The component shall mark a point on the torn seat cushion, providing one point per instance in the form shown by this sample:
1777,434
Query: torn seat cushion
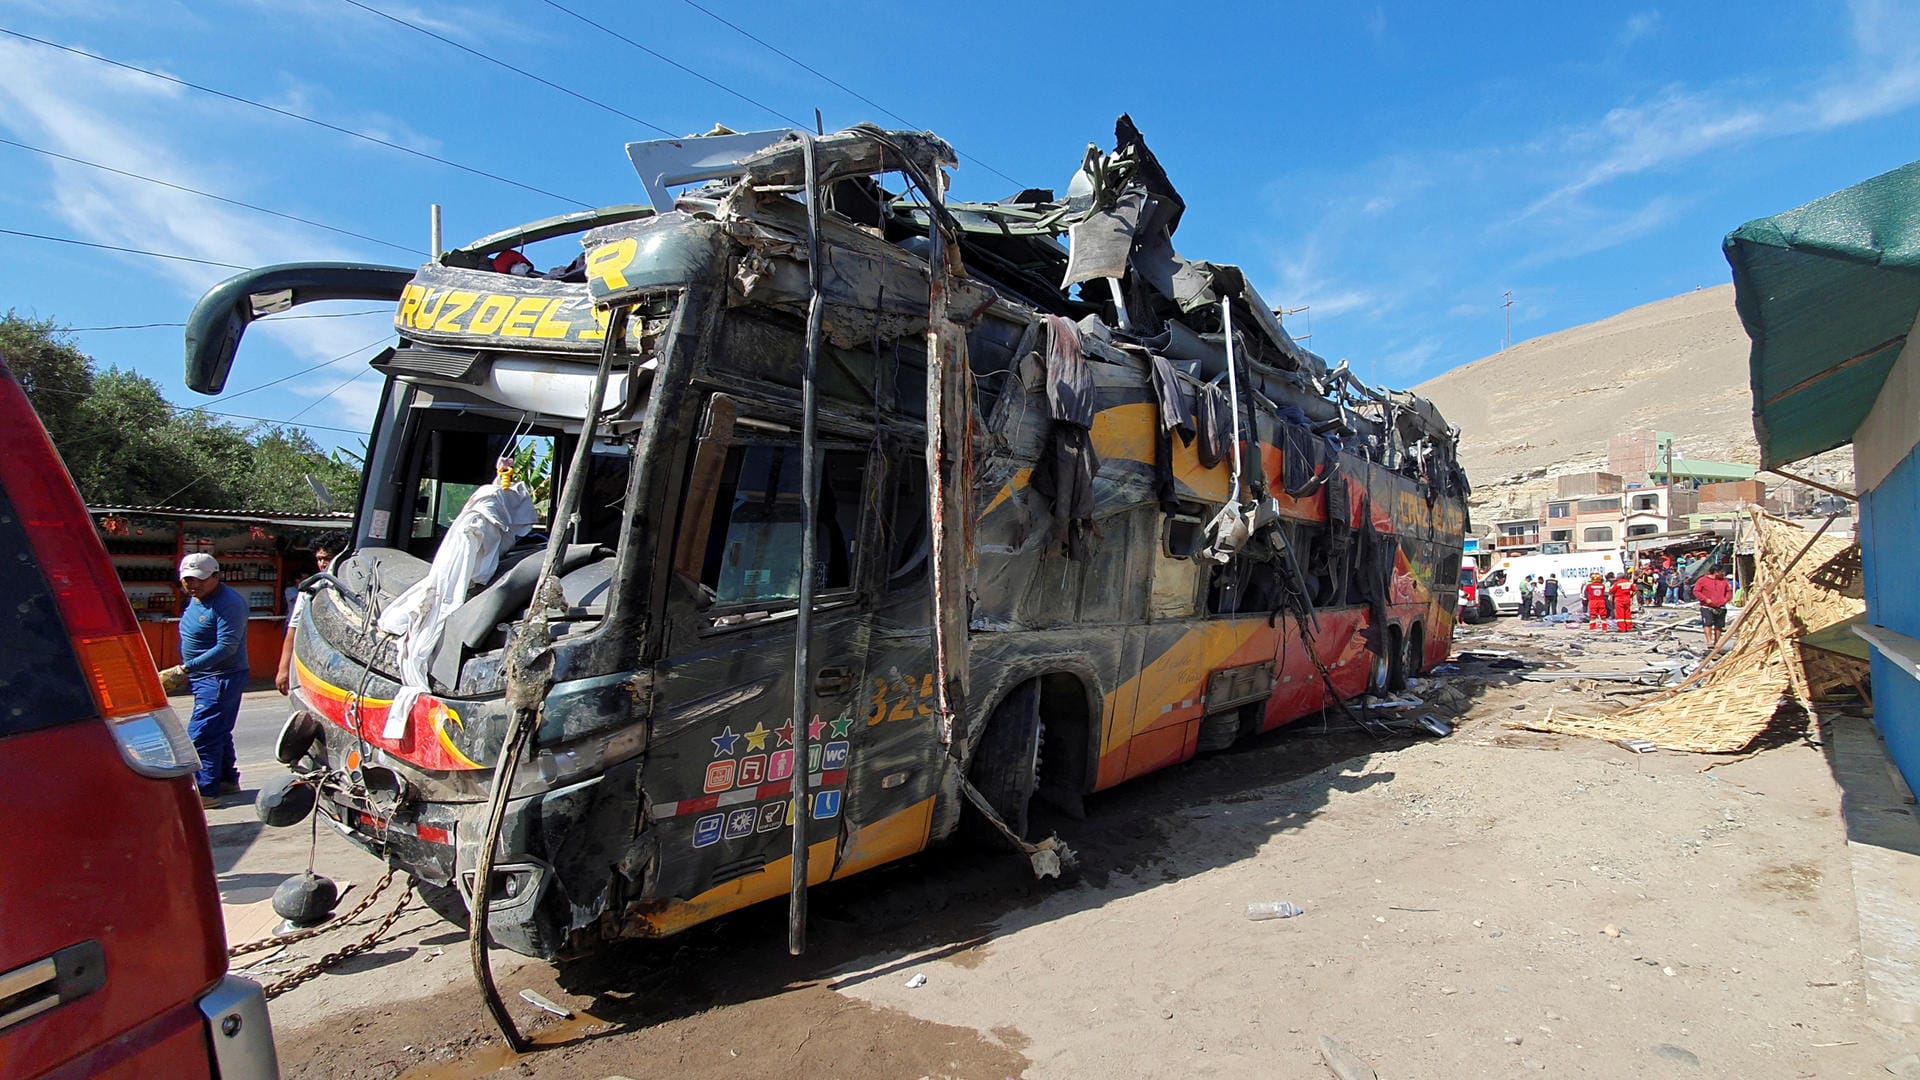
503,600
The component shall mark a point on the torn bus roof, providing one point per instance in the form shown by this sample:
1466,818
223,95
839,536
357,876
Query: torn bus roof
1117,264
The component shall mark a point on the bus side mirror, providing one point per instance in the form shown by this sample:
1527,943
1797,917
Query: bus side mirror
703,487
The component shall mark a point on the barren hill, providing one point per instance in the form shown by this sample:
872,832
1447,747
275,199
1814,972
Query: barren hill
1549,405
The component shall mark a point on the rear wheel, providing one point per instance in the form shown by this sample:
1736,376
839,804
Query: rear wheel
1397,660
1380,664
1006,764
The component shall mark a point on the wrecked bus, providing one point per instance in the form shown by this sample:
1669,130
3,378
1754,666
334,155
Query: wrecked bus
1076,508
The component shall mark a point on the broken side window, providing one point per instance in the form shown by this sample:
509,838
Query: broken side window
753,543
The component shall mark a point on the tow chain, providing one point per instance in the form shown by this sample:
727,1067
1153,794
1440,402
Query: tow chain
332,959
327,927
300,975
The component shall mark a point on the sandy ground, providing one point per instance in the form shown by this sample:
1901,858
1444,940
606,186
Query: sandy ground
1495,903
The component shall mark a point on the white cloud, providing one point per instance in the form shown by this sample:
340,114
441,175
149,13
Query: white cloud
347,399
1640,25
72,106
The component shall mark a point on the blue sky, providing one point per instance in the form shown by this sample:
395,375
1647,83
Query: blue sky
1393,169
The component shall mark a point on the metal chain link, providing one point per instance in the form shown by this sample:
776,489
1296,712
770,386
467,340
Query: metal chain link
373,938
327,927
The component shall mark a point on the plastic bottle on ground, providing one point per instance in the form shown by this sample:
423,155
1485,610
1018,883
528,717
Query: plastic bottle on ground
1273,909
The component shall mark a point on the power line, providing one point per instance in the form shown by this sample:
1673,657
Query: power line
209,412
751,36
289,114
381,340
127,250
267,318
211,195
595,102
343,385
603,28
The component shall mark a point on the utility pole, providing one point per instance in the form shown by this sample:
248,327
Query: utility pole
1506,303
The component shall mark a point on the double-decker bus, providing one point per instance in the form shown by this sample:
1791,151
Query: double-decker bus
1035,539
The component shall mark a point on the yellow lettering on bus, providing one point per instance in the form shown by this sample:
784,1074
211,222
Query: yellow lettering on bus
526,311
550,327
493,311
608,262
428,309
409,301
600,316
454,306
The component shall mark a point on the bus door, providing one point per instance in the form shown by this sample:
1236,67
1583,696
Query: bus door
725,740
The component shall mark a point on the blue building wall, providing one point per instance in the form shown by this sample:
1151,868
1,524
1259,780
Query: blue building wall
1890,552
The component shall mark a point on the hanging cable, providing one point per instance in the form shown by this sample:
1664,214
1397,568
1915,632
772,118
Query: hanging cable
291,115
211,195
496,61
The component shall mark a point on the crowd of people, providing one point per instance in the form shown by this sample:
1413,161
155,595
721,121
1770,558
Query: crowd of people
1610,599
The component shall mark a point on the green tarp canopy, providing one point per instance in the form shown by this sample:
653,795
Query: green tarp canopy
1828,293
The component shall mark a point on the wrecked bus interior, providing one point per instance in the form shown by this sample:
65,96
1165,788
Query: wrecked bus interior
808,515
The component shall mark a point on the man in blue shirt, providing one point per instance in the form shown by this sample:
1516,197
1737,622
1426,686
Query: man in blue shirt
213,661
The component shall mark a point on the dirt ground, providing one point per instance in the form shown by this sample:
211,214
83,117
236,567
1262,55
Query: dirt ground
1494,903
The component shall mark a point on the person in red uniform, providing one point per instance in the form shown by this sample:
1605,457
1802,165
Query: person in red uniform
1596,593
1623,590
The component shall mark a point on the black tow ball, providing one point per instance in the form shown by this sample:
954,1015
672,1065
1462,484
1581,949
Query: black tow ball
284,800
306,899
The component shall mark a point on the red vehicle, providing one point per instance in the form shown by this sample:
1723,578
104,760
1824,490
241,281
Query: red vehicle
113,956
1474,605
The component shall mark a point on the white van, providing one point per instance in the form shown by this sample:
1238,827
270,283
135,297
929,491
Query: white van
1502,579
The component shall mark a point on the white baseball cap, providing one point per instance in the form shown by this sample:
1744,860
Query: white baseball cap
199,565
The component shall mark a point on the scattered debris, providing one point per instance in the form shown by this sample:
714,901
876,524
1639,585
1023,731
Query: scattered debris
1680,1055
919,980
1273,909
1638,746
1343,1063
545,1004
1610,930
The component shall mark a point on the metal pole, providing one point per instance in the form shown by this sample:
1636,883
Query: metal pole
433,230
803,618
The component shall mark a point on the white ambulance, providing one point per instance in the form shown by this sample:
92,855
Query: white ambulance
1502,580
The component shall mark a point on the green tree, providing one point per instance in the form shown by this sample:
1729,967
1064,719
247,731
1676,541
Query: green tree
57,376
125,444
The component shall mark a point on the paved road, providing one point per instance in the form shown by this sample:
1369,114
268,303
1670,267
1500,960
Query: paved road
252,859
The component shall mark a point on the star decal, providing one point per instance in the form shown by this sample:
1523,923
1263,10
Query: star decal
723,743
840,727
757,738
785,731
814,729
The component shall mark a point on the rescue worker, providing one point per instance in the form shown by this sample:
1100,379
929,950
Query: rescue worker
1549,595
1526,597
1623,590
1596,593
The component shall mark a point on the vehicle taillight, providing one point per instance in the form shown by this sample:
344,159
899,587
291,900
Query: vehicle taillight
106,637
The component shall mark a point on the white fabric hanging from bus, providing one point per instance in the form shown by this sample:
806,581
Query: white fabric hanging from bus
492,519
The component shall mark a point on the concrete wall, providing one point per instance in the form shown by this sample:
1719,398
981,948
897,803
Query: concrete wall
1574,485
1890,546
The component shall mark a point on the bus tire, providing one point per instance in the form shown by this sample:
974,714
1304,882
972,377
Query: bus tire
1006,765
1380,664
1398,660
